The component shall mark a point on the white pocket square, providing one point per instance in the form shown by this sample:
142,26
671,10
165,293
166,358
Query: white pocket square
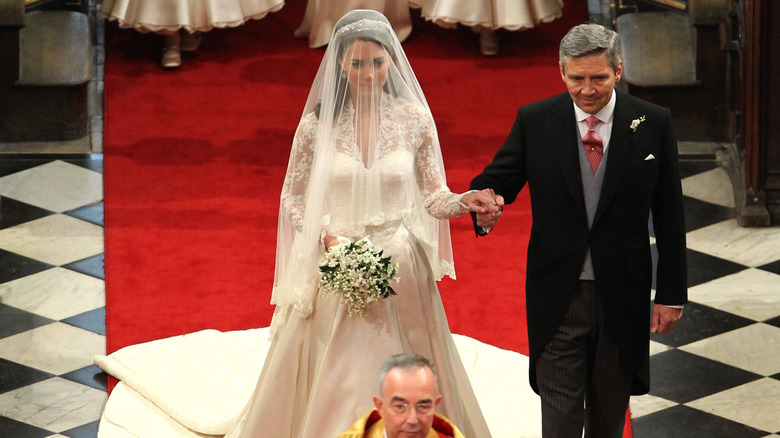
650,157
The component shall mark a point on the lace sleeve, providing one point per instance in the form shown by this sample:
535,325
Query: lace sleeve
439,201
298,171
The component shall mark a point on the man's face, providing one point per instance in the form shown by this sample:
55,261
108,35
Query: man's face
590,81
408,402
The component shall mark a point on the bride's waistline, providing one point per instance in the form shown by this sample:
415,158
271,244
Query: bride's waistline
383,230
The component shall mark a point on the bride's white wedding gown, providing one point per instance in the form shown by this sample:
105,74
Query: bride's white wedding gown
321,371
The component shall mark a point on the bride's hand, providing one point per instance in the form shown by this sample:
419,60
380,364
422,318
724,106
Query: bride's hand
329,241
483,202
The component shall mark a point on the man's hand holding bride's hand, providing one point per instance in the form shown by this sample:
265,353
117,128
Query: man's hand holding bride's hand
486,204
483,201
489,208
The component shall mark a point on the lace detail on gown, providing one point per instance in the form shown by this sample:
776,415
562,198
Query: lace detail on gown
298,171
405,148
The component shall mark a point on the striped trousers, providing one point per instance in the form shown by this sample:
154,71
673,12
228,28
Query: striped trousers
582,382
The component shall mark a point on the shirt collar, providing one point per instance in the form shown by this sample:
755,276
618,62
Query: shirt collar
605,115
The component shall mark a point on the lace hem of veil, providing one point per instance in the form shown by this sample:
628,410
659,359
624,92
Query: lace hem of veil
447,268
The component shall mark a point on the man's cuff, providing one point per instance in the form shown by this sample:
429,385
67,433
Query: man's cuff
673,306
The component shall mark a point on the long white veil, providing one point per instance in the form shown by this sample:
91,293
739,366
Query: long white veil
364,109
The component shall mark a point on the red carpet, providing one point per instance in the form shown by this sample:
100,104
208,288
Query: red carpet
195,158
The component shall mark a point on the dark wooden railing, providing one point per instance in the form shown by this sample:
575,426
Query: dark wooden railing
755,62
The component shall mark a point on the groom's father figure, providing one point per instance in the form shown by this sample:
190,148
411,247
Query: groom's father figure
597,163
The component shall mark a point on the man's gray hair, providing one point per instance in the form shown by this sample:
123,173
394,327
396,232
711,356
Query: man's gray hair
406,362
589,39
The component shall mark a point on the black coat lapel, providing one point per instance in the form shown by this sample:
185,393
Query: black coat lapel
621,149
563,133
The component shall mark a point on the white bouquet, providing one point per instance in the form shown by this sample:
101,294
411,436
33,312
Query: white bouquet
358,274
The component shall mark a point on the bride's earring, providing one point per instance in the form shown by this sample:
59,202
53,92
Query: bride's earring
343,74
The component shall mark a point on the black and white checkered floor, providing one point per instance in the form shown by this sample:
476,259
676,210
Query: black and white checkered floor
716,375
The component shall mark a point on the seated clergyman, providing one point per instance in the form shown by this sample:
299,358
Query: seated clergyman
406,405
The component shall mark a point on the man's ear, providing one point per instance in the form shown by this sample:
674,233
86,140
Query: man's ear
378,404
438,399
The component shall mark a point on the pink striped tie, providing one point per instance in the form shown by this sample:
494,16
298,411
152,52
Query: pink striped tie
594,148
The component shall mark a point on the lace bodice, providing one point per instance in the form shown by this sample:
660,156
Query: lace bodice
404,163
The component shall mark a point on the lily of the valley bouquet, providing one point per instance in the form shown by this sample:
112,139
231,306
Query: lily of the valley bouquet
358,274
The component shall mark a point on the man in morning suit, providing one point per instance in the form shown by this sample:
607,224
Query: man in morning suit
597,163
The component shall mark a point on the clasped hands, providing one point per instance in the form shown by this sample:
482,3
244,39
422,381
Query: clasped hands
486,204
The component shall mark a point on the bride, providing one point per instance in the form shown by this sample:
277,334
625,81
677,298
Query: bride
365,162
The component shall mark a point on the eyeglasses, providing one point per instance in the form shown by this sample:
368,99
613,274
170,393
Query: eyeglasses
422,408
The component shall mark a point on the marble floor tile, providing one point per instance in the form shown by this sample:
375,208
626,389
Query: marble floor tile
11,166
92,162
694,167
16,266
56,293
641,405
699,322
13,428
57,186
89,430
94,321
94,266
756,404
657,347
751,293
749,246
686,422
90,213
13,320
56,348
14,376
713,186
772,267
91,376
56,239
700,214
704,267
682,377
13,212
55,404
754,348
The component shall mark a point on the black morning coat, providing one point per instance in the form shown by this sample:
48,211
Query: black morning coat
642,176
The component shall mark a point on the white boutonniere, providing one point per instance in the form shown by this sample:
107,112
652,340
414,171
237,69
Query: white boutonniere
635,123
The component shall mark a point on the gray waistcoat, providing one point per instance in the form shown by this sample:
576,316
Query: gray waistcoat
591,187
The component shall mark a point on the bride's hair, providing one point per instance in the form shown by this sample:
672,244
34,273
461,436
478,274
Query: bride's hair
348,30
